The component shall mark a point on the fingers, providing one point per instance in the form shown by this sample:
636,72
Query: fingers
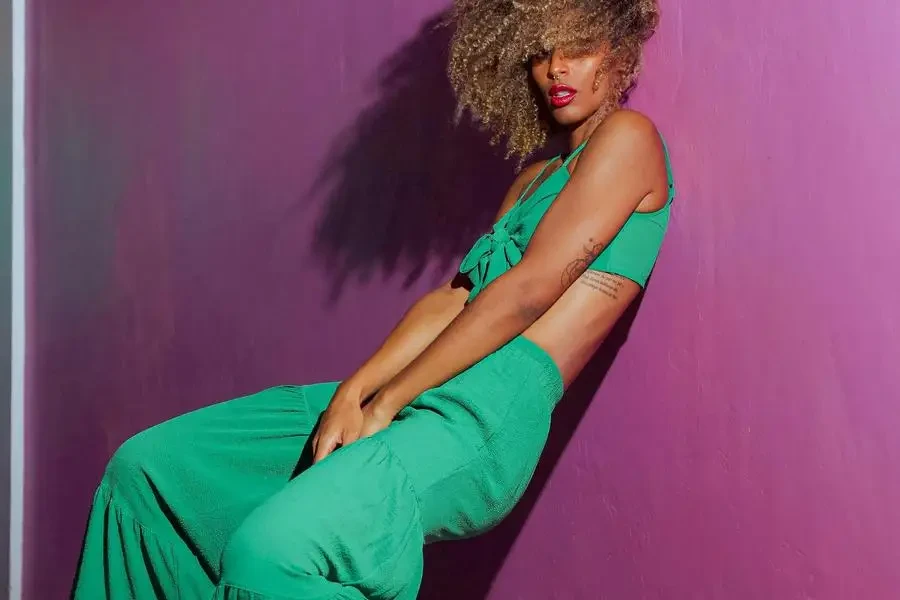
349,437
373,422
325,445
368,428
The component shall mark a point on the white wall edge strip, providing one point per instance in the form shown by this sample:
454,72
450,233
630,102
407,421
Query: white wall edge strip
19,284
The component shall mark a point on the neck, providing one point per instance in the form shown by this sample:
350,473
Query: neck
586,128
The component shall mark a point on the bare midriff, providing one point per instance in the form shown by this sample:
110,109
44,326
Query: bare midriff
575,326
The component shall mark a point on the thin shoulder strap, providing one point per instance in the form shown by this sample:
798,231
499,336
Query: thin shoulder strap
670,175
538,176
575,153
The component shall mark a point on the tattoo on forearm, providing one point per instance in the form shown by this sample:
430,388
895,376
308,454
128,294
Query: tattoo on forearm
575,268
605,283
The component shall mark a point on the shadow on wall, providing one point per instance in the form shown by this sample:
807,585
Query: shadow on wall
407,190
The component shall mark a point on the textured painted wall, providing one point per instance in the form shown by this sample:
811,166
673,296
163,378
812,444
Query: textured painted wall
745,446
227,197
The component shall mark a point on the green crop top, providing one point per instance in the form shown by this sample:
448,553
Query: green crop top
632,253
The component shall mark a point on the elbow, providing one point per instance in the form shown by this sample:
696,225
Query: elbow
532,295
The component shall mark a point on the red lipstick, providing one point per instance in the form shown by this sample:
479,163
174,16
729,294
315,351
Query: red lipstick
561,95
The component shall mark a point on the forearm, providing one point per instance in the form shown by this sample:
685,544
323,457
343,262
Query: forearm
420,325
502,311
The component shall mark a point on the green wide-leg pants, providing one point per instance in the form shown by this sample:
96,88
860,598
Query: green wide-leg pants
222,503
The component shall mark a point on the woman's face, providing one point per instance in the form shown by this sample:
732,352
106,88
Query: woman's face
571,84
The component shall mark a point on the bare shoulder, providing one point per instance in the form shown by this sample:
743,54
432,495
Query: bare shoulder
627,151
627,117
626,132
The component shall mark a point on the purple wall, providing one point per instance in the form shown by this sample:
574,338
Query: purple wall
745,445
228,197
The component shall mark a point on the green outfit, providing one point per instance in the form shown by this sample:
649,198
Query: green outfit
222,503
632,253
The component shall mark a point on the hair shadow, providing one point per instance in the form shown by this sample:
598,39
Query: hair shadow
408,189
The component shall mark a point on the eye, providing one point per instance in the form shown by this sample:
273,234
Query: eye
581,48
540,56
576,50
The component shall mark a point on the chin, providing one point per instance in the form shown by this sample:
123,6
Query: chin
569,116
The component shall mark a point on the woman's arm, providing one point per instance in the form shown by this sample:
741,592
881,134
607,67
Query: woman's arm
614,173
425,319
420,325
342,421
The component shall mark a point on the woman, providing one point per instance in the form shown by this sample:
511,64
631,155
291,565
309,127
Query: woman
329,491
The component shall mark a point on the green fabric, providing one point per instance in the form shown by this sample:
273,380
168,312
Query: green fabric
632,253
222,504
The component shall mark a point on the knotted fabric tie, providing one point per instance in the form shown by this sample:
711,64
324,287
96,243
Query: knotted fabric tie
493,254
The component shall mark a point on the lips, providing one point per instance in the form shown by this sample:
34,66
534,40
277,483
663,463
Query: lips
561,95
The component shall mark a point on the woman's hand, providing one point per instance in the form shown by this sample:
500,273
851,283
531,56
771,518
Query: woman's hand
341,423
346,420
375,418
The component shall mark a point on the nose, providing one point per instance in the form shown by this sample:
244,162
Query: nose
557,67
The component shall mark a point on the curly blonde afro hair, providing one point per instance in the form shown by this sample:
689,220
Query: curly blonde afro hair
494,41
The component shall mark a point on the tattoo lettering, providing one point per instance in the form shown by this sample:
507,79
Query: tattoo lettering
578,266
605,283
